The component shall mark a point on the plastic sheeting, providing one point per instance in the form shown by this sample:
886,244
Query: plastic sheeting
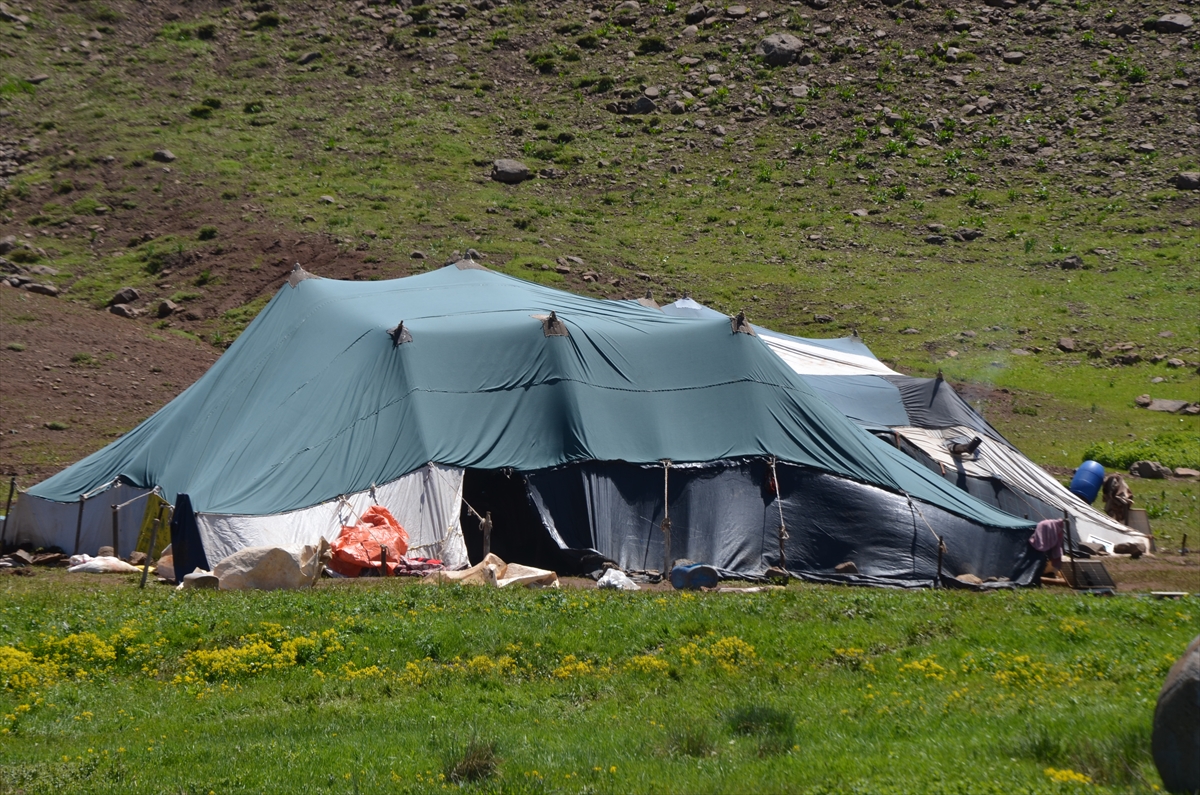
726,516
317,399
47,523
424,502
1039,495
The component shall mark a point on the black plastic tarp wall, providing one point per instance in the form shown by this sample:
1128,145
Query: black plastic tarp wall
726,514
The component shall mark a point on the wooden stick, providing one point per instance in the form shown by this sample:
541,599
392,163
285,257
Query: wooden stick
12,486
383,570
150,554
79,524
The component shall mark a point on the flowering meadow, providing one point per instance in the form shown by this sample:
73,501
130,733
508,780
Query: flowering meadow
400,686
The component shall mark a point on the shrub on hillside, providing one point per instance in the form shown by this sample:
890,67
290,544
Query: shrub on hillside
1169,449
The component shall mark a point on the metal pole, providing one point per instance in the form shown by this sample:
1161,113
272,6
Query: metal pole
12,487
146,565
116,527
79,523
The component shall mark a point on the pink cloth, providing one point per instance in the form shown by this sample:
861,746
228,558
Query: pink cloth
1048,537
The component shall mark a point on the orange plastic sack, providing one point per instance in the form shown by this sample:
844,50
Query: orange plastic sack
358,547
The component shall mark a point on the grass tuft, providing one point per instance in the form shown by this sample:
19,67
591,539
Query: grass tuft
478,760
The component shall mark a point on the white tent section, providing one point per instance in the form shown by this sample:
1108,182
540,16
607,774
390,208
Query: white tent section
808,359
46,523
995,460
425,503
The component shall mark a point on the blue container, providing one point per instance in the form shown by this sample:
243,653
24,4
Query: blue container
1087,481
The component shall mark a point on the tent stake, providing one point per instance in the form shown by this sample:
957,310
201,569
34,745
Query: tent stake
150,552
12,486
79,524
116,527
383,569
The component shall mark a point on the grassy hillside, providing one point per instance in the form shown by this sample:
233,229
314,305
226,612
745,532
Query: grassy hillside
963,184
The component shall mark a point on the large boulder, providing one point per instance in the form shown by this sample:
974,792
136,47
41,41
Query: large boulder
126,295
510,172
1188,180
1175,742
780,49
1173,23
1149,469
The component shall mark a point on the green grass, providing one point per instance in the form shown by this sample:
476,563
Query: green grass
397,687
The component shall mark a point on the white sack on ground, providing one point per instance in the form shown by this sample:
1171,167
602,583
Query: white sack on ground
425,503
616,580
494,571
105,564
272,568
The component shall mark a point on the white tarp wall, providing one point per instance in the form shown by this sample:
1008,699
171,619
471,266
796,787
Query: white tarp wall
45,523
994,460
815,360
425,503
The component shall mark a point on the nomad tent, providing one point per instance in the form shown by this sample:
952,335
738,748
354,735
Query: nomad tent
589,430
927,419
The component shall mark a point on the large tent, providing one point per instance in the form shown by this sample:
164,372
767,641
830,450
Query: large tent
926,418
589,429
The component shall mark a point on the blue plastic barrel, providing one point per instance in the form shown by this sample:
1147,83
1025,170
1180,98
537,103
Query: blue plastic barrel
1087,481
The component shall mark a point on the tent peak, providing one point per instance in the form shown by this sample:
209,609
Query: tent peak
740,325
298,275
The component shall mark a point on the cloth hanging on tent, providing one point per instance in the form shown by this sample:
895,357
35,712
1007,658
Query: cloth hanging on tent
1117,497
1048,537
360,546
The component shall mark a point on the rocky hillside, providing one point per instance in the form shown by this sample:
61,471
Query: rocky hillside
1005,190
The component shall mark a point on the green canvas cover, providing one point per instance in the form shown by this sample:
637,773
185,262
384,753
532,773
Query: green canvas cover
316,398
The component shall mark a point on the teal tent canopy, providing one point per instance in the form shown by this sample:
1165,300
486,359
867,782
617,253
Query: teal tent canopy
325,394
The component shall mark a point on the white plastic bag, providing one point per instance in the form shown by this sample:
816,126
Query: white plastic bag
616,580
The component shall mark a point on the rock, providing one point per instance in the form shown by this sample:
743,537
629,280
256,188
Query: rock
43,270
123,310
987,104
1188,180
41,289
969,578
846,568
1186,472
1175,738
126,295
106,552
1071,263
642,105
1066,344
137,558
327,199
627,13
910,331
1150,470
166,308
7,243
1123,29
1143,400
1168,406
677,107
1013,57
308,58
695,14
935,240
417,255
652,92
1173,23
1128,548
1173,362
860,213
39,79
736,12
779,49
1145,148
822,318
164,156
967,235
1019,352
510,172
